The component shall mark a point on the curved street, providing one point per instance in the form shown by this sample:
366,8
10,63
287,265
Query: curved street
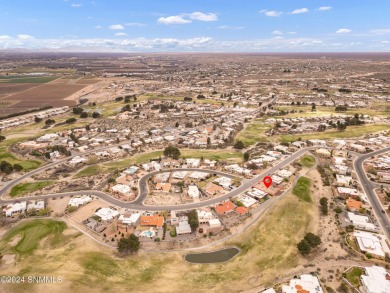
137,204
367,185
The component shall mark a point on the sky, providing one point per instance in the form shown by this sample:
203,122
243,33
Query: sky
196,25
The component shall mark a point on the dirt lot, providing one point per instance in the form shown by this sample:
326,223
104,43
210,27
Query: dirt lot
88,210
58,206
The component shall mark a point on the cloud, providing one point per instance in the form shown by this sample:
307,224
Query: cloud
277,32
278,37
76,5
203,16
24,37
382,31
291,33
343,31
120,34
98,27
271,13
188,18
299,11
324,8
176,19
5,37
228,27
116,27
135,24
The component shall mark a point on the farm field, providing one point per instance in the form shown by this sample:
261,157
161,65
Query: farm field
268,249
26,79
13,88
21,93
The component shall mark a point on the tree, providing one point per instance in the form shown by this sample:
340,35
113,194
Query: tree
312,239
313,107
323,201
78,110
239,145
84,115
71,120
18,167
304,247
177,124
128,245
95,115
126,108
172,152
6,167
193,219
321,128
2,138
37,119
341,127
50,121
208,140
246,156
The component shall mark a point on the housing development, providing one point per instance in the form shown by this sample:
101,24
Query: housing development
159,146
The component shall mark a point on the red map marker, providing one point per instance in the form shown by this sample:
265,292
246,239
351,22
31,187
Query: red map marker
267,181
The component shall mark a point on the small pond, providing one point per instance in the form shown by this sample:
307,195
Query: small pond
218,256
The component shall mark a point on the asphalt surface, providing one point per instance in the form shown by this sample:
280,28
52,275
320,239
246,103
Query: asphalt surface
369,187
138,203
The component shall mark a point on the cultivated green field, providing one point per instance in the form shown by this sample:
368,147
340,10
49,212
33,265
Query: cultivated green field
254,133
308,161
23,188
26,79
31,233
302,189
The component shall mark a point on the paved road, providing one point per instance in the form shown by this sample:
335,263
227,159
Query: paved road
143,182
369,187
137,204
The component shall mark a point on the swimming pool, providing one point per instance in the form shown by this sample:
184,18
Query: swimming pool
147,234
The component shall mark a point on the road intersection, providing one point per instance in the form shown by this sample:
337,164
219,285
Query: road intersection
138,203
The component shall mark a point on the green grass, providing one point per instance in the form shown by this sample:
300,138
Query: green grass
24,188
10,158
302,189
31,233
353,276
26,79
254,133
350,132
113,166
308,161
324,111
269,247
